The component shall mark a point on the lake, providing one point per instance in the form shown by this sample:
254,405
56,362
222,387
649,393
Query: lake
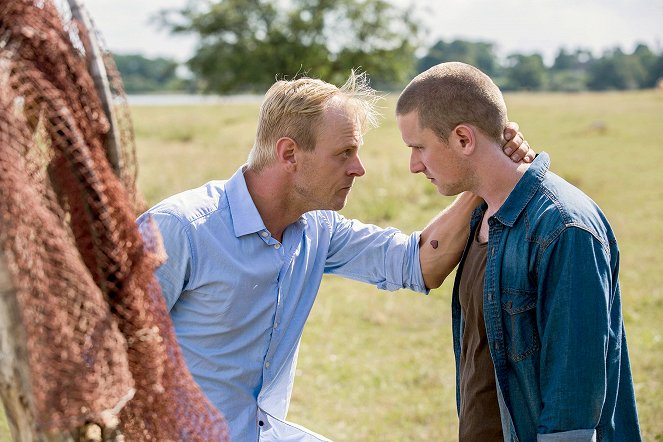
190,99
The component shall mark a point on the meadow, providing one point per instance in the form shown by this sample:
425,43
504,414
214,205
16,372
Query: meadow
378,366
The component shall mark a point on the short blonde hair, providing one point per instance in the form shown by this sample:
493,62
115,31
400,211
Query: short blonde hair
450,94
293,108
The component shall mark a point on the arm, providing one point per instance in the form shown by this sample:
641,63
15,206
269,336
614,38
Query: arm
385,258
174,273
575,289
443,239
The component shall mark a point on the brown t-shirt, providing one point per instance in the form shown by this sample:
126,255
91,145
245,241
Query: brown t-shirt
479,417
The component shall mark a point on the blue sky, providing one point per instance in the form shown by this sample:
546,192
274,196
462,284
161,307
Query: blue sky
513,25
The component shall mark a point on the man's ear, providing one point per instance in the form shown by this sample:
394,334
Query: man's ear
464,138
286,149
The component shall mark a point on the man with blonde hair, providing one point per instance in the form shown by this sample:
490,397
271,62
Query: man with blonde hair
246,256
537,324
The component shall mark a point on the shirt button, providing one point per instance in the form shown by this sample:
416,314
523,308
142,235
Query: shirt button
277,246
276,324
267,364
490,296
264,234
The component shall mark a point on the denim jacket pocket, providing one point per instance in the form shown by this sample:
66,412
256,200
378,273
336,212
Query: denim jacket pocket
519,319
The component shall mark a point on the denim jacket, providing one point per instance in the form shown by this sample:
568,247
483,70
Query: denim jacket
552,309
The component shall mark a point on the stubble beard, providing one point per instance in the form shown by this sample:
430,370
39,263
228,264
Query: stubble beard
308,199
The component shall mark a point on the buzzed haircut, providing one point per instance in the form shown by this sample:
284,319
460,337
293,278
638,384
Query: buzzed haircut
450,94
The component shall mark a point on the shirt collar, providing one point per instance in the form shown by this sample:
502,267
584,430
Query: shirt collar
243,211
525,189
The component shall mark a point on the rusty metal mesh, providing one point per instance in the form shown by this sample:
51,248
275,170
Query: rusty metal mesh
99,337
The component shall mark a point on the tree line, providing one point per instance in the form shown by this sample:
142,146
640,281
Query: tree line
571,71
244,45
141,74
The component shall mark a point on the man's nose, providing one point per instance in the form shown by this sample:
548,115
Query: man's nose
416,165
357,167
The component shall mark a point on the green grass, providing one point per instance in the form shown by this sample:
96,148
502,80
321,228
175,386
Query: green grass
378,366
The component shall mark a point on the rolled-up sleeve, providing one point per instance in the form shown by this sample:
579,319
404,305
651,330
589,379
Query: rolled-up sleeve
568,436
385,258
575,294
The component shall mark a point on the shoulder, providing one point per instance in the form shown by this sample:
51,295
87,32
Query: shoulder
192,206
338,227
559,205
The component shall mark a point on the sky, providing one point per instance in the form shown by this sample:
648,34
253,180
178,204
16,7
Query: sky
513,25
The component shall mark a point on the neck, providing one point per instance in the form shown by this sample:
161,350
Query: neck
269,190
497,175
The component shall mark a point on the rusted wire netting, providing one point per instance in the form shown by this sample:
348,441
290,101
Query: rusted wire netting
99,337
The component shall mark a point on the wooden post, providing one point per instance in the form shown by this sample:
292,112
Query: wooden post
15,388
15,384
97,70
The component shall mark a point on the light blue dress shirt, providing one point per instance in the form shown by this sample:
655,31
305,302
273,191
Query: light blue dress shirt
239,299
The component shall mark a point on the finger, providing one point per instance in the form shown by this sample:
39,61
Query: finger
528,157
521,151
513,146
519,138
510,130
531,154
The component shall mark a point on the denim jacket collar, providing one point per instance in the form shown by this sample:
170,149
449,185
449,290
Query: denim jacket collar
525,189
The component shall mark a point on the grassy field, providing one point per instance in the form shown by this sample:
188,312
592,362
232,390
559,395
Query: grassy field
378,366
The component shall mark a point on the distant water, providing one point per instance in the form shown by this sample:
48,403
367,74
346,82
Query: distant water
184,100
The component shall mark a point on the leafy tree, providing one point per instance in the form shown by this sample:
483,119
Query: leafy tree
569,71
617,70
142,74
565,61
526,72
479,54
246,44
568,80
656,74
651,63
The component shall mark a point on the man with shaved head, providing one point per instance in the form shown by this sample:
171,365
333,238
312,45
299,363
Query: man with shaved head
537,323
